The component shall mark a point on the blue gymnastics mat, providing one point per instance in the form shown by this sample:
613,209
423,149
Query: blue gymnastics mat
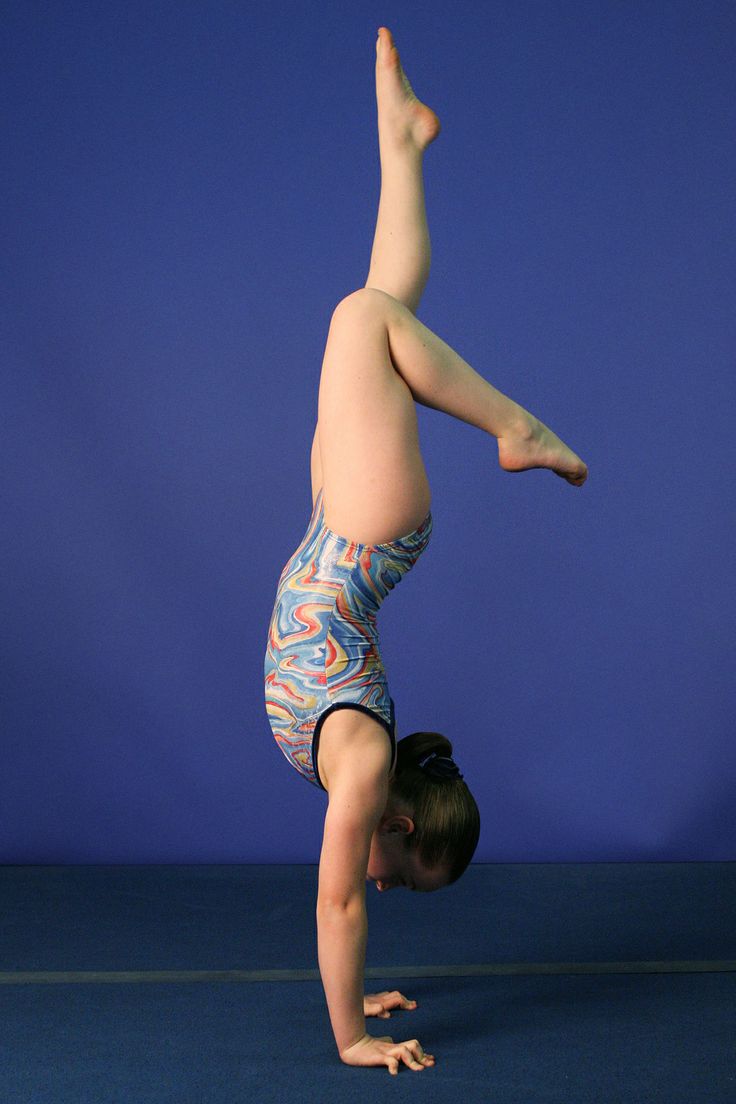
535,983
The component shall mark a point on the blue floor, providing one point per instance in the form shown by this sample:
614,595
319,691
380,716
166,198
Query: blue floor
531,1038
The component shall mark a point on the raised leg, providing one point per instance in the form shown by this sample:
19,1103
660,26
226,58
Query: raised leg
401,253
379,360
400,257
375,486
438,377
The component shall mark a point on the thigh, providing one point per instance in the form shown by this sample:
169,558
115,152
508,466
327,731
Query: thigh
374,483
315,465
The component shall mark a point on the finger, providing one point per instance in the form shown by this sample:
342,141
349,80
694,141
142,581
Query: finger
410,1058
419,1054
398,1000
393,1066
406,1002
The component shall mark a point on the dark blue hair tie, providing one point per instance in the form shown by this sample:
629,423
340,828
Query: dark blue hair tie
439,766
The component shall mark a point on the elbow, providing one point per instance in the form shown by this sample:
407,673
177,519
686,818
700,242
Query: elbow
340,904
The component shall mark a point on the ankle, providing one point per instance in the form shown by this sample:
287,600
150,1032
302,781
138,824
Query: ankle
513,422
397,148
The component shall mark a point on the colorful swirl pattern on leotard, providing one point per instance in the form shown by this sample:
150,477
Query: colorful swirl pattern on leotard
323,648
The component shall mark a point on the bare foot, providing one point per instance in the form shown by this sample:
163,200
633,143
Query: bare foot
402,117
533,445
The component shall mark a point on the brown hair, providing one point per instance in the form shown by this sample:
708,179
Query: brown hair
446,817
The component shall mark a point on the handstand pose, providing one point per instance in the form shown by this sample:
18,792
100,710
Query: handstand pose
397,815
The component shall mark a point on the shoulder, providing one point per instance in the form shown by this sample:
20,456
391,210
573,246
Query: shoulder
352,745
356,778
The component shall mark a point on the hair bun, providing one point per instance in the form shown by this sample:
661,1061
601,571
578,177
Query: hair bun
411,749
439,766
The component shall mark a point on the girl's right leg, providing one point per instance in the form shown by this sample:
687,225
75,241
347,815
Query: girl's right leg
380,359
438,377
434,373
378,362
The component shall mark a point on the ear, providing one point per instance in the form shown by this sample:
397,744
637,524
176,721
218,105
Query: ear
401,824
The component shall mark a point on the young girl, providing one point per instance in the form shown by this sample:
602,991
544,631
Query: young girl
396,815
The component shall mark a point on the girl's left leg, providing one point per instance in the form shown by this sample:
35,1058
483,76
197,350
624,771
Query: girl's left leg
401,254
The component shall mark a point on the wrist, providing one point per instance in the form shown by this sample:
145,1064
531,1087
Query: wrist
343,1050
345,1040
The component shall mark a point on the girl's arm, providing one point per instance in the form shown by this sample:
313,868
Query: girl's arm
358,792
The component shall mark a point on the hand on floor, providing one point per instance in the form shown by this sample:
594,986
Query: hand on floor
369,1051
378,1004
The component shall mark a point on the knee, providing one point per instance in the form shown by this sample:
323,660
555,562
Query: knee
365,299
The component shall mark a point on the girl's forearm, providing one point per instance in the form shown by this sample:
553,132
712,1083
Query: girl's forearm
342,934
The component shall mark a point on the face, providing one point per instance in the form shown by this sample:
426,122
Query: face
392,865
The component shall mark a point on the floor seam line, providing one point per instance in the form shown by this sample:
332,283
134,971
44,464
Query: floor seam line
501,969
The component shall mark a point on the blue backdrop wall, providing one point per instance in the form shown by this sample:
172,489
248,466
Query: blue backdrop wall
188,190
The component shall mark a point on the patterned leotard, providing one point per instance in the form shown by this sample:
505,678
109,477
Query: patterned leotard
322,651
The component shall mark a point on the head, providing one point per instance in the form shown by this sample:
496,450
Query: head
430,828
